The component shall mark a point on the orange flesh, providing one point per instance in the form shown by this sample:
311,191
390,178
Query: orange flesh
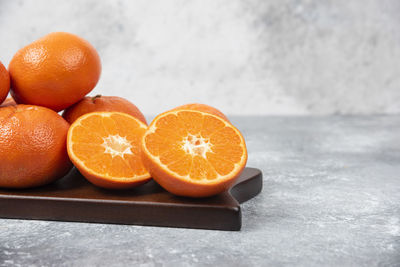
195,145
108,144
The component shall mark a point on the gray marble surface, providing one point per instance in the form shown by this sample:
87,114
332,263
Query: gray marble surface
331,197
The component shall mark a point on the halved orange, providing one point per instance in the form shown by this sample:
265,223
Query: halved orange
193,153
105,147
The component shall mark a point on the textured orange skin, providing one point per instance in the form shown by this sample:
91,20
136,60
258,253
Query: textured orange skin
32,146
184,188
203,108
8,102
55,71
102,103
4,83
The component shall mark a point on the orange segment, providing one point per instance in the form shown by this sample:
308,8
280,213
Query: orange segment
191,121
172,155
110,126
86,136
202,169
87,151
193,153
172,123
183,166
106,149
221,165
224,136
228,152
99,163
210,126
91,122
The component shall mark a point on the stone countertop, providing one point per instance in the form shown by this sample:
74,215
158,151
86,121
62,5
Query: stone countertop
331,197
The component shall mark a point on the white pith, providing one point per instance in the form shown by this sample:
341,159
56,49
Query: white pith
116,145
196,145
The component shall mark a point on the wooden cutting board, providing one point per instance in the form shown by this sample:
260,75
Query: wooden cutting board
72,198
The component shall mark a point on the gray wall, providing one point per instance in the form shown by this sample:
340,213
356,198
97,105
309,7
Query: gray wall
245,57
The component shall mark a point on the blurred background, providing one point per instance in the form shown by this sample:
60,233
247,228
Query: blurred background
251,57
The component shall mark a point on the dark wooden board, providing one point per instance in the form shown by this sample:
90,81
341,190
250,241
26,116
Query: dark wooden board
72,198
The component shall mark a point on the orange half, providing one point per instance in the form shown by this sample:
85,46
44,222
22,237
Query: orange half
105,147
193,153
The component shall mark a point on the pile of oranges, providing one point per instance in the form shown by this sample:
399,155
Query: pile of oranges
192,150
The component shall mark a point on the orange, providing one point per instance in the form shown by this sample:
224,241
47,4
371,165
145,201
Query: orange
102,103
33,148
204,108
4,83
55,71
105,147
8,102
193,153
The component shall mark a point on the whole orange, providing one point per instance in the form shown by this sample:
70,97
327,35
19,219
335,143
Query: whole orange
102,103
55,71
4,83
33,148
